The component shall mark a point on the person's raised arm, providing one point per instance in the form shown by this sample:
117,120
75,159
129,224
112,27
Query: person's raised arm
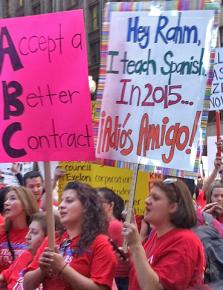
211,178
57,174
16,171
146,276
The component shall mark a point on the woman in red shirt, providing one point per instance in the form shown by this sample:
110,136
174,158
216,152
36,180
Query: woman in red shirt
19,206
12,278
85,259
172,258
114,206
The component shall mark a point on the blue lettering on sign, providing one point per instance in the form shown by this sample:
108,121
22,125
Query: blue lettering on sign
137,33
176,34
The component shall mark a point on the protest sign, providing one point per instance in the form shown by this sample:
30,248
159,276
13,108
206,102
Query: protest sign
211,153
118,179
216,99
156,70
45,99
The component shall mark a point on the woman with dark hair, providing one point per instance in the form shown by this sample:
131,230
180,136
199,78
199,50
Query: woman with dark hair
85,259
19,206
214,199
172,257
114,206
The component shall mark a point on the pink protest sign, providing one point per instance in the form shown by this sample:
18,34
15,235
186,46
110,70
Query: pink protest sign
44,94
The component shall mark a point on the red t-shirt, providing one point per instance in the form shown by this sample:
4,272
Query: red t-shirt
97,262
178,259
15,273
115,232
17,240
2,220
201,199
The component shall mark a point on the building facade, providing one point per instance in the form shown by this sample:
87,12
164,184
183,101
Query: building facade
93,10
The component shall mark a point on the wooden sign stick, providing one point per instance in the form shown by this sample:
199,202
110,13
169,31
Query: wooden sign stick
131,202
218,129
217,113
49,206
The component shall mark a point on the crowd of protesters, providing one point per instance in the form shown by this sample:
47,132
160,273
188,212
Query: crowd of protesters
165,251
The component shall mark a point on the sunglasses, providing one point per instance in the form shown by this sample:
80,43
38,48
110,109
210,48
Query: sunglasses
170,180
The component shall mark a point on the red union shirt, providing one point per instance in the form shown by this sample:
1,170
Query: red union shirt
17,240
97,262
178,259
14,274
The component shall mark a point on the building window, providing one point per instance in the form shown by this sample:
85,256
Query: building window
19,8
94,17
71,4
21,3
36,9
94,52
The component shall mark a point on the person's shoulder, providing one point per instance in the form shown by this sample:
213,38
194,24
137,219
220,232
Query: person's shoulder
188,237
183,235
116,222
102,247
101,238
115,225
101,241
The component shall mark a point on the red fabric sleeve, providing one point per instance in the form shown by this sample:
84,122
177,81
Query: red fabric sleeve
104,262
115,231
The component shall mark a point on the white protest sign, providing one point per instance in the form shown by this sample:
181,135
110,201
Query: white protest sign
216,100
211,152
156,74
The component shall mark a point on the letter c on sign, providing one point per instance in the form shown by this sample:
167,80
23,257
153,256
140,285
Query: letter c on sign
9,131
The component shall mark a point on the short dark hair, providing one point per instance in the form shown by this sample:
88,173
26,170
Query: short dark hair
178,192
31,174
110,196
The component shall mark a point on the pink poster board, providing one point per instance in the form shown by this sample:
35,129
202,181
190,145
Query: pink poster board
44,95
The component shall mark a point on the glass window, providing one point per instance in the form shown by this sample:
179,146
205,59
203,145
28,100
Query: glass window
94,52
36,9
71,3
19,8
94,17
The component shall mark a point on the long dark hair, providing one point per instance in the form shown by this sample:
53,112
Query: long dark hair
94,220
